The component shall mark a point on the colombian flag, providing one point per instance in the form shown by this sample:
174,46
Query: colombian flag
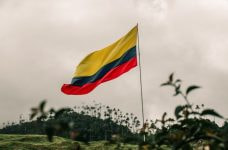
104,65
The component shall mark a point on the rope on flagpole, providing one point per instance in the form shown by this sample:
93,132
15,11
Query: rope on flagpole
140,76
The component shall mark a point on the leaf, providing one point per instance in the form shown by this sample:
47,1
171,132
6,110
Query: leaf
191,88
194,113
178,87
211,112
177,90
170,120
34,110
42,104
34,113
32,116
177,93
171,77
178,110
163,116
165,84
178,80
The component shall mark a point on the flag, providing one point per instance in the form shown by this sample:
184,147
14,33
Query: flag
104,65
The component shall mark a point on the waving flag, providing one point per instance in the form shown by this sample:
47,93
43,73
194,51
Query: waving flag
104,65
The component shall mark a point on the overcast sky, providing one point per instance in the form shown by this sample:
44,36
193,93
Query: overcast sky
41,42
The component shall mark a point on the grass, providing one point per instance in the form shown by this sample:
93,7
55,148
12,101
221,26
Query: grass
40,142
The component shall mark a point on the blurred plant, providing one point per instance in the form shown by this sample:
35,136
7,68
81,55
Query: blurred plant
100,118
55,125
190,129
190,126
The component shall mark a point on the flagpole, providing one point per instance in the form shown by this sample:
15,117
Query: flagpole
140,76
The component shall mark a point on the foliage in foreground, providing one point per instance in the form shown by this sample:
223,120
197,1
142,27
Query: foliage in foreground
190,129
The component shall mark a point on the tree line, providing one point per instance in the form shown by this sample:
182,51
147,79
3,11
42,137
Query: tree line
189,129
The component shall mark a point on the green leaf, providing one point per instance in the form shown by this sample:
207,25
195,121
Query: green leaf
194,113
163,116
170,120
165,84
178,87
177,90
191,88
32,115
211,112
171,77
42,104
34,110
178,80
176,93
178,110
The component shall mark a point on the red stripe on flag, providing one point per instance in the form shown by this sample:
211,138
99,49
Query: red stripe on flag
112,74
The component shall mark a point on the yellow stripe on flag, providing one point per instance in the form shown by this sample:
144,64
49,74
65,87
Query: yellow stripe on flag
96,60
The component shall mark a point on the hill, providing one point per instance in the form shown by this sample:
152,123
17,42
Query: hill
40,142
89,123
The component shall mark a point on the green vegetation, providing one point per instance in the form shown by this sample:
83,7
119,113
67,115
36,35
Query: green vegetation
40,142
189,130
33,142
85,123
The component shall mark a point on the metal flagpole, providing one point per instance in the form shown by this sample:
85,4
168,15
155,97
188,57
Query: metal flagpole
140,75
